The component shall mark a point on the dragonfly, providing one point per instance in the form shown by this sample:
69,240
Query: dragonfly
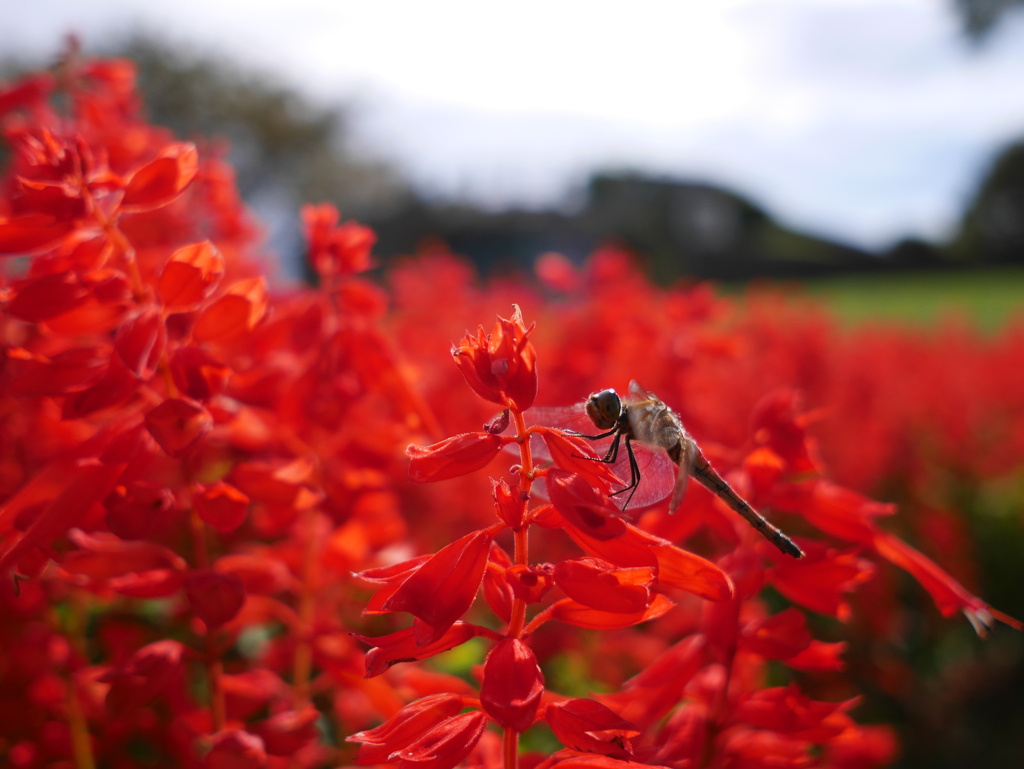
655,444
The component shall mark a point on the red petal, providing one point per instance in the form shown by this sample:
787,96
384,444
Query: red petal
160,181
260,575
190,275
198,375
512,684
405,727
178,425
530,583
443,588
151,671
676,567
215,598
584,508
497,591
38,299
948,594
589,726
32,374
575,455
31,234
83,487
598,584
117,385
222,506
574,613
779,637
446,744
820,580
140,342
509,504
235,749
234,314
402,646
248,692
651,694
285,733
819,656
102,557
453,457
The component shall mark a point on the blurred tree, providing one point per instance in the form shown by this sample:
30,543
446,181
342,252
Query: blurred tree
993,225
980,17
279,140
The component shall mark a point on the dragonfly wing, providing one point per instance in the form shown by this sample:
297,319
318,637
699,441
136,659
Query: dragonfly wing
570,418
657,471
657,476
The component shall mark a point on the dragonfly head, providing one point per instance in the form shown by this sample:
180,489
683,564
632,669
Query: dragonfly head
604,409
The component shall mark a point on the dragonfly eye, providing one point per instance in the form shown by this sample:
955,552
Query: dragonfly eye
604,409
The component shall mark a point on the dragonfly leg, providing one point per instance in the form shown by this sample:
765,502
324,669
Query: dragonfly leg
575,434
634,475
613,451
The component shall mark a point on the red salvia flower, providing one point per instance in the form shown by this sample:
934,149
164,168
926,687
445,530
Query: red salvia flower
453,457
403,646
441,590
162,180
404,728
215,597
501,366
512,684
235,749
222,506
190,275
591,727
178,425
445,745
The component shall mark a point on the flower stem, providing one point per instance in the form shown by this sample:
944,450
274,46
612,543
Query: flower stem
510,748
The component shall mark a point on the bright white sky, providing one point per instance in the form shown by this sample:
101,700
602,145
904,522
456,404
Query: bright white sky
865,120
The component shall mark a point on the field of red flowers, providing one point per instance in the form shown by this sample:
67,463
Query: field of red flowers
246,527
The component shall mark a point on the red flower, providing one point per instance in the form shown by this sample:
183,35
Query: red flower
589,726
235,749
599,584
221,505
160,181
441,590
445,745
285,733
508,503
190,275
178,425
198,375
150,672
575,455
214,597
501,366
235,313
335,250
403,646
404,728
512,684
454,456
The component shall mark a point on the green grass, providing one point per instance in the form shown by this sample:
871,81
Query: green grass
987,297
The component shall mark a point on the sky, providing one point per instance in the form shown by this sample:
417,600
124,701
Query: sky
862,120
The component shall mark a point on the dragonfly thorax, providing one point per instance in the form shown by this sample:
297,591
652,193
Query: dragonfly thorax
604,409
